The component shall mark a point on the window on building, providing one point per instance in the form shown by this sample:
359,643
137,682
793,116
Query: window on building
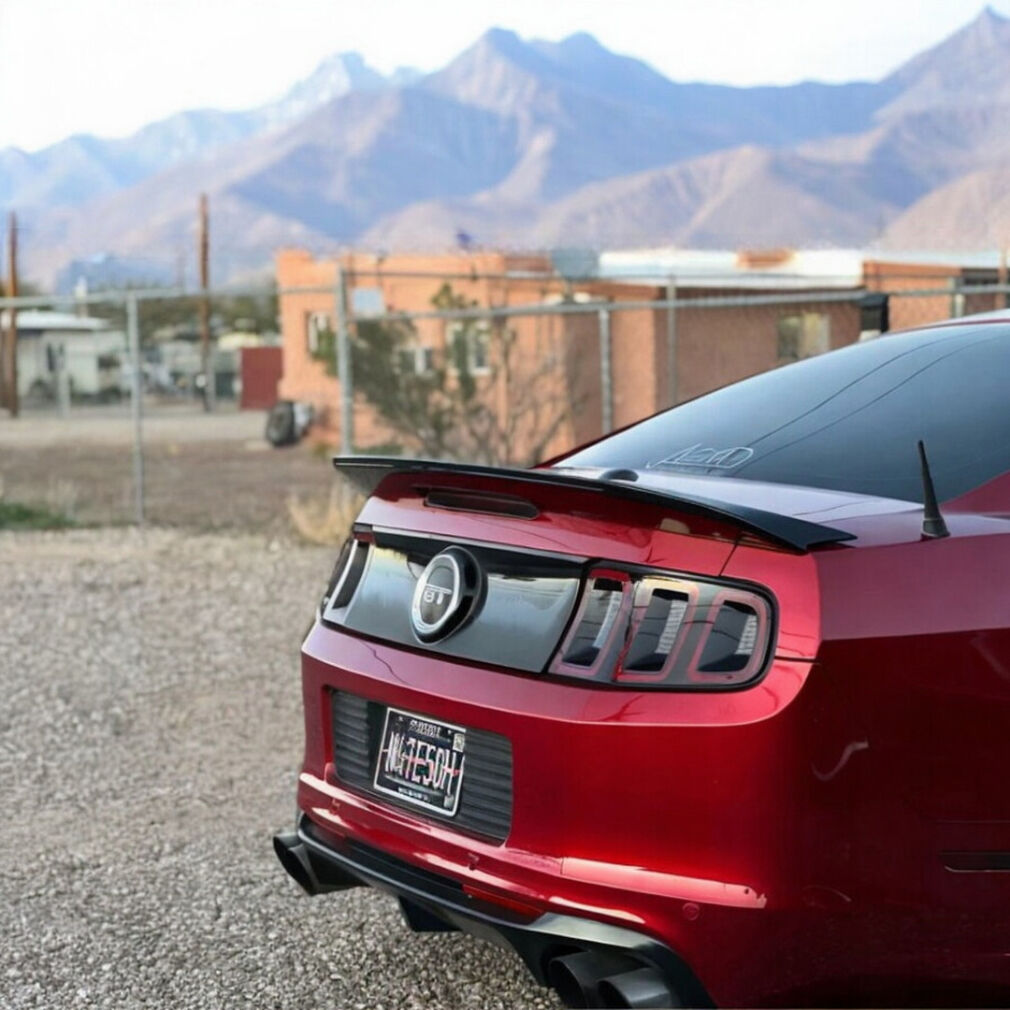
367,302
317,326
476,341
419,360
803,335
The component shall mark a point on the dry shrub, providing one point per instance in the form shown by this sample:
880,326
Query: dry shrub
325,520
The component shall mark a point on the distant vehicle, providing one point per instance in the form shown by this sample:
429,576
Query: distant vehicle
288,422
713,711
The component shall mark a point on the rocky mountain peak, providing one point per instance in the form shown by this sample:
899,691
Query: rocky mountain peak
970,67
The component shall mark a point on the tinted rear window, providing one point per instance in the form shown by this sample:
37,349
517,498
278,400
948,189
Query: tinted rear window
848,420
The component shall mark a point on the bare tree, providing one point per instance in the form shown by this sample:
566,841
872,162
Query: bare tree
487,394
534,401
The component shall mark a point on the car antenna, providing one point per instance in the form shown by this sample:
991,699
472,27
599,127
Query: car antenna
933,525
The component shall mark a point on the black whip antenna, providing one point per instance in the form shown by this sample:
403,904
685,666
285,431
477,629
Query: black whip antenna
933,525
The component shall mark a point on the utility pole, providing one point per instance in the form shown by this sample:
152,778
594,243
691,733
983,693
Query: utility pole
9,365
205,351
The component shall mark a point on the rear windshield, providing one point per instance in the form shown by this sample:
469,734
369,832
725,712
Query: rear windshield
848,420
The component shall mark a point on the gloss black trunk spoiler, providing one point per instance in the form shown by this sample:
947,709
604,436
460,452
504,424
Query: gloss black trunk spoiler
367,472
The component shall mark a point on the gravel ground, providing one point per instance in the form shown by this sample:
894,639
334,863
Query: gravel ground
149,741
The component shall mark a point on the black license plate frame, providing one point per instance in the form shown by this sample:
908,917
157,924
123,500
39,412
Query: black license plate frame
421,761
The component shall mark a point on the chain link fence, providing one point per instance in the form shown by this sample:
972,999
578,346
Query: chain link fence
126,417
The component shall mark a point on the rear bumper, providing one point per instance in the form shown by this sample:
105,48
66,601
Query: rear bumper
660,816
431,902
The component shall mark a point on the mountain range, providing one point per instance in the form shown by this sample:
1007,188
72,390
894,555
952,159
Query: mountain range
534,144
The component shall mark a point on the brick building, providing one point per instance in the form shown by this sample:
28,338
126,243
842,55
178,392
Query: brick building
937,290
656,358
409,284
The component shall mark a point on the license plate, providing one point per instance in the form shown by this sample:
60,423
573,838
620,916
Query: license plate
421,761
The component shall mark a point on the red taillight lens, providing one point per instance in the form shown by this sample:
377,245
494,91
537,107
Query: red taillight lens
735,647
662,618
596,636
650,630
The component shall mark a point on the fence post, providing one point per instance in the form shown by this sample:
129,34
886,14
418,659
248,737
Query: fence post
956,299
606,376
671,343
62,380
344,366
9,339
136,405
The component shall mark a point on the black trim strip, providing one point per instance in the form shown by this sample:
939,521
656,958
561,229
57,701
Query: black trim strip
367,472
485,803
977,862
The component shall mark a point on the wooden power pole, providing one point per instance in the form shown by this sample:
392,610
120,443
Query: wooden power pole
205,352
9,364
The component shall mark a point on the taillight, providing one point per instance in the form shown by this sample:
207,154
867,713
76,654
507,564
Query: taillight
345,576
597,633
657,631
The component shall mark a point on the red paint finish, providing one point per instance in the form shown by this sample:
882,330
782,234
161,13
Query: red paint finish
790,840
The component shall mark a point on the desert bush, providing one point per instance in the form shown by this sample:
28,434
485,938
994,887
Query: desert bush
325,519
18,516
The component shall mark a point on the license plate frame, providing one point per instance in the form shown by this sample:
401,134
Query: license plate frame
421,761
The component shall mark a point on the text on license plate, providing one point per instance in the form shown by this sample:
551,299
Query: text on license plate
421,761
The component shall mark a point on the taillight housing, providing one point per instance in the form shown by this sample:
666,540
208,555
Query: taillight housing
345,577
649,630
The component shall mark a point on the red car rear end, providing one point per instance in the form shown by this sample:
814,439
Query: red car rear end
678,730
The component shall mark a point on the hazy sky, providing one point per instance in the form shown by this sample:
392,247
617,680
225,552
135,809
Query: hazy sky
109,66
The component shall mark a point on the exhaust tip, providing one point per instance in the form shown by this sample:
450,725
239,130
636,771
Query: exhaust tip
312,874
642,987
291,853
576,977
571,977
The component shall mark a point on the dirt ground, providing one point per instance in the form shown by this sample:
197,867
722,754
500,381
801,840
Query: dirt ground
201,472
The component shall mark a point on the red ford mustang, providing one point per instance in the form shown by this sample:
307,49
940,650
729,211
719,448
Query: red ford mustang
714,711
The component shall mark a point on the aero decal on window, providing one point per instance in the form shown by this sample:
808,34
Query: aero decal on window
699,457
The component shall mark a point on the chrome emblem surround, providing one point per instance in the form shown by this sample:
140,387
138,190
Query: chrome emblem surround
445,594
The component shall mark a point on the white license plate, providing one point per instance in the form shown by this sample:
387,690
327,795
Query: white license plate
421,761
